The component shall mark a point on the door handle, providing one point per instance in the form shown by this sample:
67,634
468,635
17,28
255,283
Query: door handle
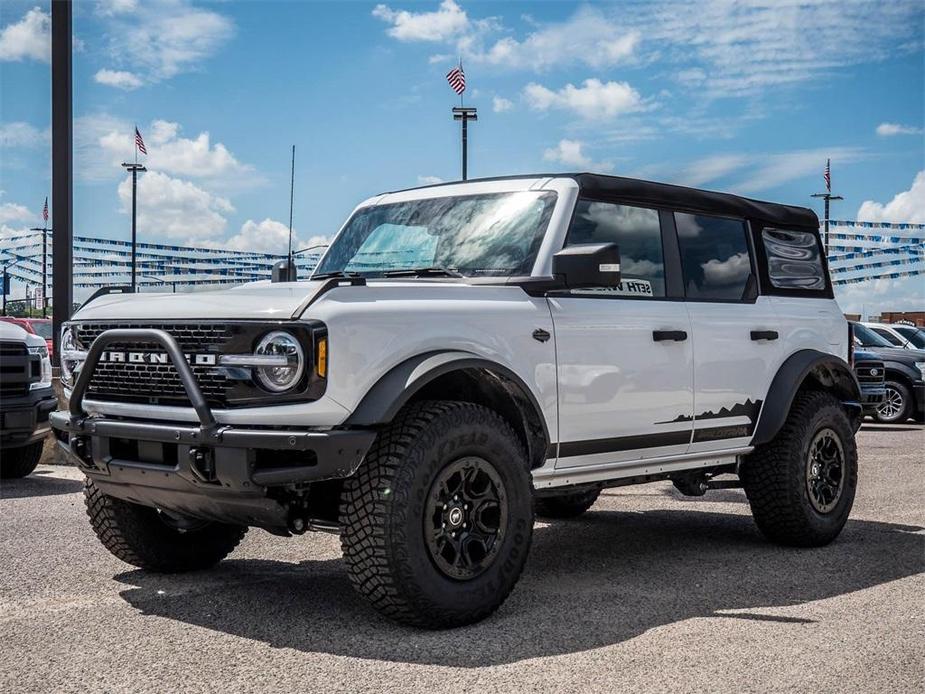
664,335
764,335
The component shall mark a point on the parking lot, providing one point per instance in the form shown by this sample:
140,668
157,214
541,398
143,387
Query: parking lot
649,591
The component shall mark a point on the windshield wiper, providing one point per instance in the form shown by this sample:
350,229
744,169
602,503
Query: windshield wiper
423,272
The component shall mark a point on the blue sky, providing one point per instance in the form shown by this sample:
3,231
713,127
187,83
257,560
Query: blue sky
749,97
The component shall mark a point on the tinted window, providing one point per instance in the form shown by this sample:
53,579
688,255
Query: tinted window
636,231
914,335
867,337
888,336
793,259
714,256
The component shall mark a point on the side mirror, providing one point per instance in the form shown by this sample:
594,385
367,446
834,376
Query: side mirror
588,265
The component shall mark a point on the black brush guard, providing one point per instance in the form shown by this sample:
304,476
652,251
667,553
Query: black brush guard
215,472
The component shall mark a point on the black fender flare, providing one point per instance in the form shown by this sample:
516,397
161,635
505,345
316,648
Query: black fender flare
402,382
827,370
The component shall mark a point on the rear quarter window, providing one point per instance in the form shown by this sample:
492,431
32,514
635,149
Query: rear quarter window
794,259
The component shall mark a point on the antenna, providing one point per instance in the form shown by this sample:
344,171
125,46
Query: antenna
291,194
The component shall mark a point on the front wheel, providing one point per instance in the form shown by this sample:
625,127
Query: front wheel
801,485
19,462
437,521
897,404
150,539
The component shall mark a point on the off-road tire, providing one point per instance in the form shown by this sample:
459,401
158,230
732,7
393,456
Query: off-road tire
903,391
21,461
566,505
383,515
774,475
139,536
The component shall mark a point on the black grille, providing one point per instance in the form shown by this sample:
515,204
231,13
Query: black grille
864,370
159,384
15,369
192,337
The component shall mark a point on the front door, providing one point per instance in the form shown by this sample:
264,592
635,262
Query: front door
624,355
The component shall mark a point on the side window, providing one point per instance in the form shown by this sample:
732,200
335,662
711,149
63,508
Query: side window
890,337
636,231
794,259
714,257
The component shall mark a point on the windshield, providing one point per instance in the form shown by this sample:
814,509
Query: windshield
42,328
868,338
914,335
495,234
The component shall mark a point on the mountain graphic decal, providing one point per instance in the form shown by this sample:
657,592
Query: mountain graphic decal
749,408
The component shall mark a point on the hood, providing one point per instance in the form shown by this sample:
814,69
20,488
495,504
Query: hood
260,300
898,353
11,331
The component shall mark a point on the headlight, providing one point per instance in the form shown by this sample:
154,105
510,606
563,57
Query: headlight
45,380
69,364
282,377
920,365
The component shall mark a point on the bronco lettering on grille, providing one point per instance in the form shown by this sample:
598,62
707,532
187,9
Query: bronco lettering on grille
114,357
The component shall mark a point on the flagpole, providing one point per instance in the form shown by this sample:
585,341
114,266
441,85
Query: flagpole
134,168
291,197
827,197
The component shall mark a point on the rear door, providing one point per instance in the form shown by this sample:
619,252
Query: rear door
624,355
735,332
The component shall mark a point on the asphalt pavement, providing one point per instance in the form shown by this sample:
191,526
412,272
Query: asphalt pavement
649,591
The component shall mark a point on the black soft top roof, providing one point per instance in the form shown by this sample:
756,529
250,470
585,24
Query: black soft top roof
678,197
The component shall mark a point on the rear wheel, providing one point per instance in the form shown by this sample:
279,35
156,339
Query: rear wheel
566,505
801,485
19,462
437,521
150,539
897,404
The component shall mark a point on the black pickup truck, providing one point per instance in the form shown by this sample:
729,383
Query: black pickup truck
26,398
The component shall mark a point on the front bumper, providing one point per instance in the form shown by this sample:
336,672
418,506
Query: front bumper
24,420
871,397
207,470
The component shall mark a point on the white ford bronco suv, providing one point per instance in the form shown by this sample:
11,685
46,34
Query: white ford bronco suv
464,356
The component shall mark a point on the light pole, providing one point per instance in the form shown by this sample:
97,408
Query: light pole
465,114
134,168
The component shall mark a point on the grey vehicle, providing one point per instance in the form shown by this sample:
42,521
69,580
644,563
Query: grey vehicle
26,399
905,377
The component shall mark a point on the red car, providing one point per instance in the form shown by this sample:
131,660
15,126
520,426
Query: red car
36,326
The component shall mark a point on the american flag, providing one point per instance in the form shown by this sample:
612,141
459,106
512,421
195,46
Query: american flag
827,176
45,210
457,79
139,143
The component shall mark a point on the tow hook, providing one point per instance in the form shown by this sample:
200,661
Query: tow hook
202,464
80,445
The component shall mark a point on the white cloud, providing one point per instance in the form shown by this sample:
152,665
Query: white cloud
593,101
160,39
745,48
429,180
907,206
711,168
107,8
889,129
447,22
268,236
27,39
571,153
772,170
12,212
120,79
174,208
103,143
21,134
499,104
588,37
873,297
